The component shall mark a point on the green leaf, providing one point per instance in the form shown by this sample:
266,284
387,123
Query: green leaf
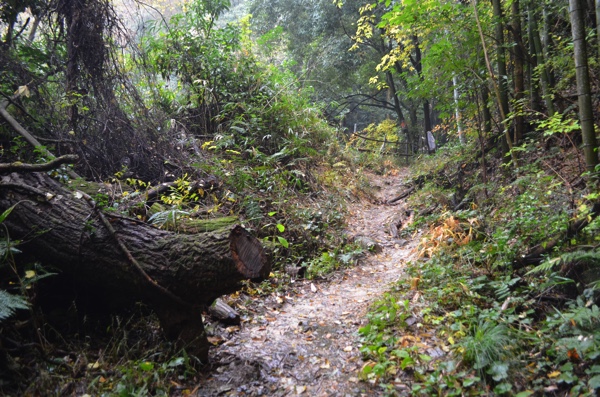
525,393
280,227
470,381
425,357
503,388
6,213
176,362
594,382
146,366
498,371
283,242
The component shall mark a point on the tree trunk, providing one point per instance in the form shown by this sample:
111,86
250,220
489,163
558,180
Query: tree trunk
519,79
534,99
461,136
540,60
501,67
175,274
418,65
598,25
586,115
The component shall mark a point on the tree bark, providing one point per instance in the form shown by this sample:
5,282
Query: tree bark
586,114
175,274
540,60
519,79
502,82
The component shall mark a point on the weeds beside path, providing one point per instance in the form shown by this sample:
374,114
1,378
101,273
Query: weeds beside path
306,342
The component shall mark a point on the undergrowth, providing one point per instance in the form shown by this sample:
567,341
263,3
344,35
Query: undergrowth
469,319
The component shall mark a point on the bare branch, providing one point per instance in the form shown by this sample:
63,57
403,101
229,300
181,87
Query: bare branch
53,164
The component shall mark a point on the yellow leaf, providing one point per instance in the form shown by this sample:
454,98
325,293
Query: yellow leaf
95,365
23,91
554,374
29,274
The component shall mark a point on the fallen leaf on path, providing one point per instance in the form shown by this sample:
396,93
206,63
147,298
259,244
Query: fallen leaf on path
416,297
348,348
215,340
300,389
414,283
313,288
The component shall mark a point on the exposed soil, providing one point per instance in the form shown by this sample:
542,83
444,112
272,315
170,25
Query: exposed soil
305,341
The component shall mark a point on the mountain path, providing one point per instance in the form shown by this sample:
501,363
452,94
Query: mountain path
305,342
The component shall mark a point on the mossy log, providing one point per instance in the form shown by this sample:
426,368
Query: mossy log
176,274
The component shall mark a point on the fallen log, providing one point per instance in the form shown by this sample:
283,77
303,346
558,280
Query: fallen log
175,274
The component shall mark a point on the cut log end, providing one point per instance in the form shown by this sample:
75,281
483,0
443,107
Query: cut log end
248,254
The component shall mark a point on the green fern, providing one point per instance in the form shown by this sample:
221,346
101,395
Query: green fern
167,218
9,304
569,257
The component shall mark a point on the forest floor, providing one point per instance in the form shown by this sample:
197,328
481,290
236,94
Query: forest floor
304,341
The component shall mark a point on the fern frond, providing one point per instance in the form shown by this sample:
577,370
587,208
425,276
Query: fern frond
545,266
168,217
568,257
9,304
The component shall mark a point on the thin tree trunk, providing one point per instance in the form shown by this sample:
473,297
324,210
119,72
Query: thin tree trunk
586,116
534,92
419,68
598,25
519,80
485,110
502,82
539,54
488,64
461,136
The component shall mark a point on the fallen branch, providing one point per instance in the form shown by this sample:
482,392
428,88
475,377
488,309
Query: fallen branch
402,195
51,165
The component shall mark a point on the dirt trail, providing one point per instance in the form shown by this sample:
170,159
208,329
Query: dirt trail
306,343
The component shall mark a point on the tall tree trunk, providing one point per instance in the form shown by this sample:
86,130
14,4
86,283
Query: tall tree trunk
461,136
586,116
418,65
539,54
519,80
534,92
598,25
502,77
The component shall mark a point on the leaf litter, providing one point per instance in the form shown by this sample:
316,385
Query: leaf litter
306,342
